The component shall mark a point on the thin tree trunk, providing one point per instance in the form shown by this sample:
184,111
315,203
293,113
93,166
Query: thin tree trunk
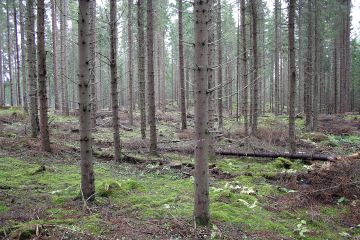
292,92
219,72
150,78
201,207
9,54
32,77
114,79
245,67
41,54
18,85
277,56
131,90
63,33
255,69
2,94
141,66
54,42
23,60
308,73
316,66
87,172
93,62
181,67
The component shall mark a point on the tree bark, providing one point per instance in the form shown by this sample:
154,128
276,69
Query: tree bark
54,42
93,62
2,94
244,67
277,11
131,90
201,207
308,73
141,66
114,79
255,69
17,59
292,92
9,54
150,78
87,172
32,77
23,60
181,67
219,72
41,54
63,33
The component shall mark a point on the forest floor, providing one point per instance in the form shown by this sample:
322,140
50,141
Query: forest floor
147,197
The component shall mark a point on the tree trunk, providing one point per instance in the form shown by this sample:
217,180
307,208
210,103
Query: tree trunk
317,64
150,78
292,92
32,77
18,85
114,79
2,94
9,54
23,61
131,90
244,67
308,73
41,54
54,42
201,208
63,33
87,172
255,69
277,11
219,72
181,67
93,62
141,66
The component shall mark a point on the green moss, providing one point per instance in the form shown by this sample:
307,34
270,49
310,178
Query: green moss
282,163
3,208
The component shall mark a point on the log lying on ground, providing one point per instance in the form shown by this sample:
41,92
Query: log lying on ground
301,156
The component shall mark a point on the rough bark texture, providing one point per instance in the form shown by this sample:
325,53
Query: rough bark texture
93,62
2,96
63,32
150,78
131,90
277,56
255,69
32,77
87,172
201,207
54,42
244,68
141,66
41,54
17,59
114,79
219,72
181,67
292,88
23,60
317,66
308,72
9,54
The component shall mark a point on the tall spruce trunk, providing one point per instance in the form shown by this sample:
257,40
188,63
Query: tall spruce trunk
2,94
219,72
317,64
201,207
32,77
17,59
181,67
244,67
54,45
11,81
23,60
141,66
308,81
43,99
150,78
63,45
87,172
255,94
93,62
277,56
292,88
114,79
130,66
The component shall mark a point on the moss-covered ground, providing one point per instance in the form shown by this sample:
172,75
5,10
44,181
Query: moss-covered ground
39,193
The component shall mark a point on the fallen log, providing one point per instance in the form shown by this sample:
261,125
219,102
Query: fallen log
301,156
